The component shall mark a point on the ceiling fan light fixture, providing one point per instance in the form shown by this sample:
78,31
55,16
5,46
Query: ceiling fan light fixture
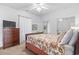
38,9
39,6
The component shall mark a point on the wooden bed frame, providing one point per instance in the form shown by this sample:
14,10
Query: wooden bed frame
41,52
32,47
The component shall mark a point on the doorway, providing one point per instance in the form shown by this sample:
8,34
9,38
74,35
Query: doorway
25,26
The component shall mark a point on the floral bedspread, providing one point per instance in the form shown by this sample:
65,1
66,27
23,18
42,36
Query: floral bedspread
47,42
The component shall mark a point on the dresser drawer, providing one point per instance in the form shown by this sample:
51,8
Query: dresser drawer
10,37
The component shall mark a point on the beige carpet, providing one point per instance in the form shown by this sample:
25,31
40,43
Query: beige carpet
16,50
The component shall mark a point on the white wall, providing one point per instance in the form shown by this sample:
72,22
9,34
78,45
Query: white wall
35,19
10,14
6,14
61,13
39,22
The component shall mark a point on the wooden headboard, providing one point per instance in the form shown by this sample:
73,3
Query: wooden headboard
32,34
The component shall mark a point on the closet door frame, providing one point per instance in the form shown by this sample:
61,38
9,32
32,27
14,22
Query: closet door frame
19,19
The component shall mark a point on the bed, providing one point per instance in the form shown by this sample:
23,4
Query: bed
49,44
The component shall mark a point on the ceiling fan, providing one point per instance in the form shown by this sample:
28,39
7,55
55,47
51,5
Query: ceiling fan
39,7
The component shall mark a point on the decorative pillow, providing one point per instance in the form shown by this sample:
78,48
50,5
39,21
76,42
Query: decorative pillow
74,38
69,50
67,37
58,49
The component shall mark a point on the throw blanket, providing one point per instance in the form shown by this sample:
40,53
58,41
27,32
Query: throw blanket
47,42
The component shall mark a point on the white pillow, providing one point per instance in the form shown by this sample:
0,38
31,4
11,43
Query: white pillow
69,50
74,38
67,37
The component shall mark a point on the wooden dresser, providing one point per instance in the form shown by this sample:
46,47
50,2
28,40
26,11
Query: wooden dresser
10,37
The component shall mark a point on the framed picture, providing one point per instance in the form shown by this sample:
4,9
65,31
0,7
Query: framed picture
34,27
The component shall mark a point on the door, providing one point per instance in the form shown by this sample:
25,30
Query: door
25,27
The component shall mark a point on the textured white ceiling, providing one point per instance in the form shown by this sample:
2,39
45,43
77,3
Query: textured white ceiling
50,6
17,5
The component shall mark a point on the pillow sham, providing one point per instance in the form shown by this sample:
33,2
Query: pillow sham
74,38
67,37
